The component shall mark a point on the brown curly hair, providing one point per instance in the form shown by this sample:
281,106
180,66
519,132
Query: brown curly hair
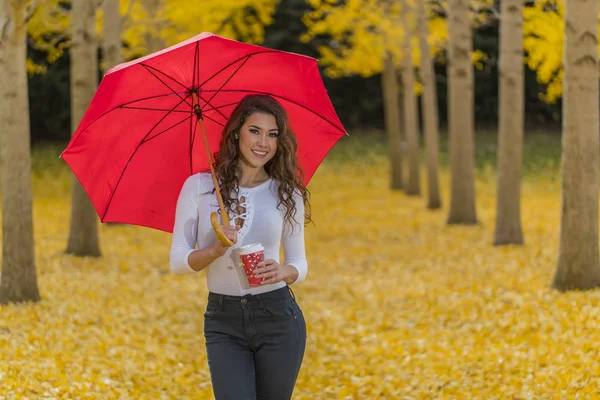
283,166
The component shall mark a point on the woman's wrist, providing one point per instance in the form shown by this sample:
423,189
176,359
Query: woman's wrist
291,275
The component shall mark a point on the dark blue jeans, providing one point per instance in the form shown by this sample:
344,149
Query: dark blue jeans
255,345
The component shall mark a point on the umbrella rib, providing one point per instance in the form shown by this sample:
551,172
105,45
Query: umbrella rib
171,127
153,109
228,79
192,138
196,69
238,60
152,97
163,82
283,98
167,75
112,195
123,106
215,121
216,108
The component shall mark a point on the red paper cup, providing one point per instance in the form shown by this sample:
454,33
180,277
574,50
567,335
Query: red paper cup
251,255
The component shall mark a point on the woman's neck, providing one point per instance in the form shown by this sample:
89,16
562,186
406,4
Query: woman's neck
253,176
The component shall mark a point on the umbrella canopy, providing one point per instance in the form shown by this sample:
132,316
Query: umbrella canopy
139,139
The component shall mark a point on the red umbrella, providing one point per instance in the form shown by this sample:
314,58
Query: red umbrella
137,142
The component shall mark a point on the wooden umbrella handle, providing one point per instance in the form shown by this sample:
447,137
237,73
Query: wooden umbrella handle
214,218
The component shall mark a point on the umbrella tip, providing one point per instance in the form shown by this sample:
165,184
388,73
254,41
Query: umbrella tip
347,134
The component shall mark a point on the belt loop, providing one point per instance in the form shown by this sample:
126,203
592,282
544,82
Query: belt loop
221,308
260,301
292,293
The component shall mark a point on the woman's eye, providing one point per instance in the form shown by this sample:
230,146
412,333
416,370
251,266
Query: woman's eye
255,131
274,135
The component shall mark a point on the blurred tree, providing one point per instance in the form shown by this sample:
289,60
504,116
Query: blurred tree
393,121
18,282
511,120
83,232
112,27
429,109
578,265
460,115
365,38
411,112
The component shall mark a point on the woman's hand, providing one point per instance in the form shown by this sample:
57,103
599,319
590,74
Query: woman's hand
272,272
231,232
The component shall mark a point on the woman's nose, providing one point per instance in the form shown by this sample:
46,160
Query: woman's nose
262,140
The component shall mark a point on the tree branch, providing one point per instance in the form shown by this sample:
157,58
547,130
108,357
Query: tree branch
31,10
491,9
48,45
4,29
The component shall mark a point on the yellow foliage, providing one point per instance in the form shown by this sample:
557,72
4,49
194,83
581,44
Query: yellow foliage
47,30
178,20
544,31
398,305
33,68
362,31
175,20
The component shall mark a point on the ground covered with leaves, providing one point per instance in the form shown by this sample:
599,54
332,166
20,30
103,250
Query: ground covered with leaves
398,304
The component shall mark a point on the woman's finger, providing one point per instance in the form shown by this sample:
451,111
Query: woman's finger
265,262
271,279
264,270
231,233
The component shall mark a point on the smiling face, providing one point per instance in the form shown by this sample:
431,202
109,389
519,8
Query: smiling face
258,139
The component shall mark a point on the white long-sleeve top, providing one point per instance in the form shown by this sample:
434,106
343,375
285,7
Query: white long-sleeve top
263,223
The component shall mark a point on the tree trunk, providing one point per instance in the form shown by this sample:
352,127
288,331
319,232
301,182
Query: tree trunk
111,43
460,114
389,86
511,114
18,282
153,40
430,113
411,124
83,235
578,259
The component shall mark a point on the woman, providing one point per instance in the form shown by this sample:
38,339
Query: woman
255,336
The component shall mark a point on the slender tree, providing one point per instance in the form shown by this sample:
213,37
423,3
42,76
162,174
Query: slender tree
153,33
460,114
389,86
111,41
430,111
83,233
511,115
578,259
411,119
18,282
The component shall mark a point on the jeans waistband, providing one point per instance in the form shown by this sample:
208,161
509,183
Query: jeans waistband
274,295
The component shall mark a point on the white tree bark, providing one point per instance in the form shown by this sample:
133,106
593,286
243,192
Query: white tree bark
430,113
411,117
511,115
153,40
389,86
18,282
111,41
83,234
460,114
578,264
